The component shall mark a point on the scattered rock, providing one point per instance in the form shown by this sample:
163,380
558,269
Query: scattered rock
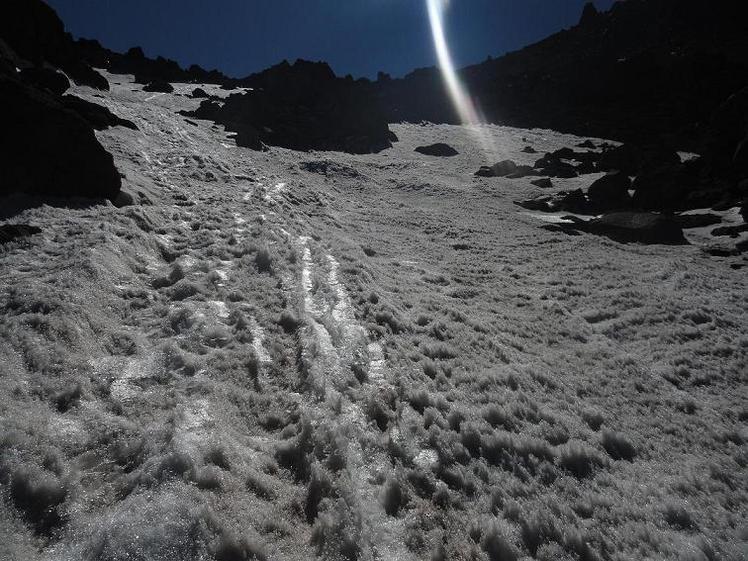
159,86
10,232
529,150
439,149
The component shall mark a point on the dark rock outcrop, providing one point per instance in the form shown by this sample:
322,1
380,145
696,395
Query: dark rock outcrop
45,79
543,183
500,169
158,85
200,93
439,149
11,232
37,35
48,150
628,227
303,106
97,116
567,201
610,192
637,227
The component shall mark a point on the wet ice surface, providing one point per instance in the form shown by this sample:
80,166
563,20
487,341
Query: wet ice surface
270,361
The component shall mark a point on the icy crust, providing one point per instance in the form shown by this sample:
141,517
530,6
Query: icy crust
294,355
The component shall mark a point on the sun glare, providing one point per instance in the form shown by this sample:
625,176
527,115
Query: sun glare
464,105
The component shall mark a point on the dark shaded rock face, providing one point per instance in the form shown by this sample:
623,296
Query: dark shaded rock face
48,150
302,107
438,149
159,86
610,192
45,79
97,116
200,93
11,232
36,34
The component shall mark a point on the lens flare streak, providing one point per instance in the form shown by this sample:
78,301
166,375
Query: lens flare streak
463,103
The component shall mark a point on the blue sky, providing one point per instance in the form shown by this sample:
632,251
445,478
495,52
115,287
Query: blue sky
359,37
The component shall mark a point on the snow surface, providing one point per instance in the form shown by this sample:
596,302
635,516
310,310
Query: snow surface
378,357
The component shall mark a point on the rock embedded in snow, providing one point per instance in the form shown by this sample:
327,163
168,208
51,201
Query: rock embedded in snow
158,86
439,149
199,93
543,183
637,227
500,169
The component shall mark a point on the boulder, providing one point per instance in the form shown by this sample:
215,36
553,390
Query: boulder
523,171
572,201
199,93
11,232
610,192
563,154
97,116
559,169
543,183
439,149
529,150
159,86
45,79
500,169
636,227
48,150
